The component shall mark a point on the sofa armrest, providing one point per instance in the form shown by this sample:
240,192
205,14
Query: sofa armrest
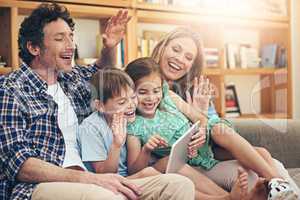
280,136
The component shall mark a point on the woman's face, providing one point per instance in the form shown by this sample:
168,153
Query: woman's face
178,58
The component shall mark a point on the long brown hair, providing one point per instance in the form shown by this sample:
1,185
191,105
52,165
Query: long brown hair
185,82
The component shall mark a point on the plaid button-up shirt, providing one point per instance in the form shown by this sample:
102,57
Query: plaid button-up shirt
28,123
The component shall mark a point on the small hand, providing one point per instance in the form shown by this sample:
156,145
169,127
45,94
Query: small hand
202,93
118,127
196,142
117,184
154,142
115,29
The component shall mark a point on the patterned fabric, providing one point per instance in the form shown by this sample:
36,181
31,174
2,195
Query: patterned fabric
28,123
170,123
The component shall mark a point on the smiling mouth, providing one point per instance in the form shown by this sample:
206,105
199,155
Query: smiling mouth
174,66
129,114
149,106
67,56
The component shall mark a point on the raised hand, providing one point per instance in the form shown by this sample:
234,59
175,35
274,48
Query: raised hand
202,93
154,142
197,140
118,126
115,29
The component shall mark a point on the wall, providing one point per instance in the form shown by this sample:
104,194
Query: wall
295,56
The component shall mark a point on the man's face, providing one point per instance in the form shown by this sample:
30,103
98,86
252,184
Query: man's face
125,102
57,52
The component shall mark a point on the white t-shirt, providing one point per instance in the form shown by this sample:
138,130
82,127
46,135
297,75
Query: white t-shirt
68,124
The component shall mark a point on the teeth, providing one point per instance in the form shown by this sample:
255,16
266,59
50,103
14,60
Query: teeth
175,66
129,113
66,57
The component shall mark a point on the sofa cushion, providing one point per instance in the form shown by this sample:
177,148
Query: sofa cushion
295,174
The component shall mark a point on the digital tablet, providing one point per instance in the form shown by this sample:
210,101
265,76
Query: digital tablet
178,156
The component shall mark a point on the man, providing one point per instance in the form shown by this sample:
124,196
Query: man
41,105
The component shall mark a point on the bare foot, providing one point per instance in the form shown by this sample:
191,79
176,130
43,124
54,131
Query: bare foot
259,192
240,188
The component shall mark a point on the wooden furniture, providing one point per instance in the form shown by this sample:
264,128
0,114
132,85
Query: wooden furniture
210,23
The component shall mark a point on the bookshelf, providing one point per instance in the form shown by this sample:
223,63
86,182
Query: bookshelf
275,99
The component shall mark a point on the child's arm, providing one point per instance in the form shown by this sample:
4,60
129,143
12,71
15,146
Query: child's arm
111,164
138,156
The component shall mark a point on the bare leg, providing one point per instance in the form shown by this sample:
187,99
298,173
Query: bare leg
266,156
242,150
206,189
240,188
201,182
259,192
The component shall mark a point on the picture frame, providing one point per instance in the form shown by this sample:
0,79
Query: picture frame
232,107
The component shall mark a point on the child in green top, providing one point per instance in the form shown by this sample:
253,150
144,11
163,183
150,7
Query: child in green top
159,123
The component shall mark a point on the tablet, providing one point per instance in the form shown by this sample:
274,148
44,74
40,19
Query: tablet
178,156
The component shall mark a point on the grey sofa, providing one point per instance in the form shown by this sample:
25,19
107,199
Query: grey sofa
281,137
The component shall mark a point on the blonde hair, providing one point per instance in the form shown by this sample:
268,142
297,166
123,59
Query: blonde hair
186,81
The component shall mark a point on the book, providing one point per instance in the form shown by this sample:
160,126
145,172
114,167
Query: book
2,62
268,55
232,55
148,41
282,57
249,57
211,56
232,108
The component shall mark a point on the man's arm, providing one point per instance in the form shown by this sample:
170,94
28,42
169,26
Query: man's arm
37,171
34,170
114,32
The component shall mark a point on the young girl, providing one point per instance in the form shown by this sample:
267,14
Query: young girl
159,124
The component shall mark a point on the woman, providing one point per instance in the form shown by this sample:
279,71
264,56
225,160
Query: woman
180,57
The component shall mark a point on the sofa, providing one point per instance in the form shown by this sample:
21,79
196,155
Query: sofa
280,136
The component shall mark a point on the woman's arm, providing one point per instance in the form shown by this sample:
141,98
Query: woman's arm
188,110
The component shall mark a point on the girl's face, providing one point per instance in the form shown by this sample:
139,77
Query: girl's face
149,93
178,58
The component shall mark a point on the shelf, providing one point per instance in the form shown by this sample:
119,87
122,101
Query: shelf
83,11
5,70
116,3
86,61
161,17
211,71
211,12
250,71
267,115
